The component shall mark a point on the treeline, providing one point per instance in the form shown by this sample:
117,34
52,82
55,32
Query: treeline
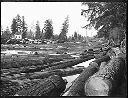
19,25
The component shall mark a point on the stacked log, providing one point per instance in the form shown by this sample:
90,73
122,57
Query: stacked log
52,86
106,80
77,88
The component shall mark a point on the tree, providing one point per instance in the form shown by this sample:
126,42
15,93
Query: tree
55,36
48,28
80,38
38,32
14,26
6,35
64,30
18,23
24,28
30,34
42,35
75,35
104,16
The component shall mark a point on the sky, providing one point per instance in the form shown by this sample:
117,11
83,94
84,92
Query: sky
41,11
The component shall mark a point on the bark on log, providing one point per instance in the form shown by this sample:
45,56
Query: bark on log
106,80
69,63
77,88
52,86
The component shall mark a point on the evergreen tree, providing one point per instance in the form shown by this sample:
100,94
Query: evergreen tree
24,28
6,35
55,36
64,30
14,26
42,34
18,23
105,16
30,34
38,32
75,35
48,28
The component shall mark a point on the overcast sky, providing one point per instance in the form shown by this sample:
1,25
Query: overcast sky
41,11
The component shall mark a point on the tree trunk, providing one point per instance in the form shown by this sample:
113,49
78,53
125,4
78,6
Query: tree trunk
106,80
77,88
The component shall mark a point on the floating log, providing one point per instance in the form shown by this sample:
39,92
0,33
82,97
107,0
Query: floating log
26,69
77,88
60,72
46,74
19,61
106,80
52,86
8,88
69,63
31,69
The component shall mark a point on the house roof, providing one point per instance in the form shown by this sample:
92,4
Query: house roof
18,33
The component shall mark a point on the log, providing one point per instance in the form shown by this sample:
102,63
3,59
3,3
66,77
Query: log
102,59
25,69
77,88
102,65
52,86
106,80
69,63
60,72
46,74
31,69
8,88
19,61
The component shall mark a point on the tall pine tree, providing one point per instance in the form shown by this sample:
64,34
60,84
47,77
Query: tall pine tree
24,28
38,32
18,23
48,28
64,30
14,26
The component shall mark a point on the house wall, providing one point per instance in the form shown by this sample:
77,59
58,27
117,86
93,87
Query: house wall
18,37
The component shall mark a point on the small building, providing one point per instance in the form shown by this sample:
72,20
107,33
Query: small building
18,35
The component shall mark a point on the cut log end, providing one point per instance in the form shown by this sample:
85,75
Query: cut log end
97,87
